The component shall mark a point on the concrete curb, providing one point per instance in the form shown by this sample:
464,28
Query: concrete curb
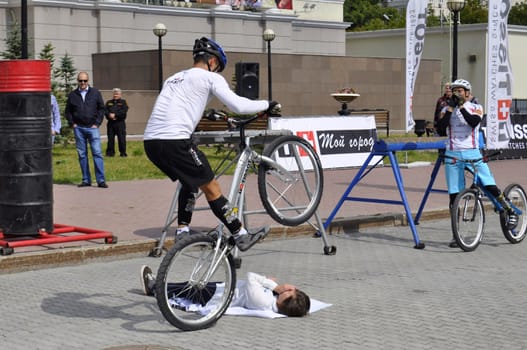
27,261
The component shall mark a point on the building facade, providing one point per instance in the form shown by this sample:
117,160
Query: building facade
472,53
85,27
114,42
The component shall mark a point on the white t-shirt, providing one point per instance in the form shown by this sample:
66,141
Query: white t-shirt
183,99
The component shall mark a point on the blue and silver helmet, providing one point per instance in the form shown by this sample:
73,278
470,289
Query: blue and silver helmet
208,46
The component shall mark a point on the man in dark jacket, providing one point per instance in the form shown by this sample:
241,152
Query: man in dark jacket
85,113
116,109
441,103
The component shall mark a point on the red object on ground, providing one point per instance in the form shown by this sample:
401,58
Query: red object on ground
26,180
61,234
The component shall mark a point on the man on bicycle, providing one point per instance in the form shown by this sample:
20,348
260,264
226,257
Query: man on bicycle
168,136
460,121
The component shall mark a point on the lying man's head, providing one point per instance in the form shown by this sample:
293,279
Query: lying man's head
293,303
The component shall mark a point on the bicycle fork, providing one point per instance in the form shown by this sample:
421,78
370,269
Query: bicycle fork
469,214
209,263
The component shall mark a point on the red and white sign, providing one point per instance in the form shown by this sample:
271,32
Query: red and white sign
499,76
344,141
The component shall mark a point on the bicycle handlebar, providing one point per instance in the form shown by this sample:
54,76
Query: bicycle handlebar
217,115
485,158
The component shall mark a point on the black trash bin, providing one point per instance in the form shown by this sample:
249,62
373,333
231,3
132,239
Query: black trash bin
420,127
26,179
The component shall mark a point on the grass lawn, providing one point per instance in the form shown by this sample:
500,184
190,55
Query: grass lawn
137,166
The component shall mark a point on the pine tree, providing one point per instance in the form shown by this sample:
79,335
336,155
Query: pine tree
47,54
13,43
66,73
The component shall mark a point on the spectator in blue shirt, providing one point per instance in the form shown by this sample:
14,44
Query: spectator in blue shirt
55,118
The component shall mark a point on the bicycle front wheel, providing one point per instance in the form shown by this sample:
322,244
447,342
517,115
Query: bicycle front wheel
195,283
518,199
468,220
291,185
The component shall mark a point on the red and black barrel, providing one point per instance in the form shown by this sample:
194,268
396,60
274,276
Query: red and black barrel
26,177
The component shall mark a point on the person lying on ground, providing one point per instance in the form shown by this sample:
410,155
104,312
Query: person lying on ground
258,292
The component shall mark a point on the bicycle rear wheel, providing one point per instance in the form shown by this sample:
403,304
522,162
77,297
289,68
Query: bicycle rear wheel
468,220
195,283
291,191
517,198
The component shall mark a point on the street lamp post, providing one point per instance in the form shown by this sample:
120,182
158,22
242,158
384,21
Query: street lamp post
160,30
268,36
23,32
455,6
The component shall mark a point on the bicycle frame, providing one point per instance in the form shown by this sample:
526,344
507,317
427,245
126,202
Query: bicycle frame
236,196
498,207
245,157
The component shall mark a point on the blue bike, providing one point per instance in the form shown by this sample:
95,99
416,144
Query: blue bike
468,211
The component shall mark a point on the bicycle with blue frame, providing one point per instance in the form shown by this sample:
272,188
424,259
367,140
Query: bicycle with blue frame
468,211
196,280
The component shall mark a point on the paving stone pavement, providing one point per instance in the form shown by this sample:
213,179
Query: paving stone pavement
385,295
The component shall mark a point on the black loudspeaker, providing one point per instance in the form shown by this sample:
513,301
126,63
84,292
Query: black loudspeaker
247,79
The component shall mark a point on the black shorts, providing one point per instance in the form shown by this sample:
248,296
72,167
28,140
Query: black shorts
180,160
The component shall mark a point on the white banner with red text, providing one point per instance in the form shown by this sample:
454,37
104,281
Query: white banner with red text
499,77
340,142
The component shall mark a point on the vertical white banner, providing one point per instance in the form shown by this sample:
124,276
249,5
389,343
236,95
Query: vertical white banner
499,76
415,40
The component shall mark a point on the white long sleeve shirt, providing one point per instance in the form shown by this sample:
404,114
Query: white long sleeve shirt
183,99
256,293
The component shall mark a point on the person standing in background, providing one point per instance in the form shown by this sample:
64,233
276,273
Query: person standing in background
116,109
441,103
85,113
55,119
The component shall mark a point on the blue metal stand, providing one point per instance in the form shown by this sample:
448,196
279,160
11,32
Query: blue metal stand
430,188
383,149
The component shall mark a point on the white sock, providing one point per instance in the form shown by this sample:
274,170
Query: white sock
180,230
242,231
